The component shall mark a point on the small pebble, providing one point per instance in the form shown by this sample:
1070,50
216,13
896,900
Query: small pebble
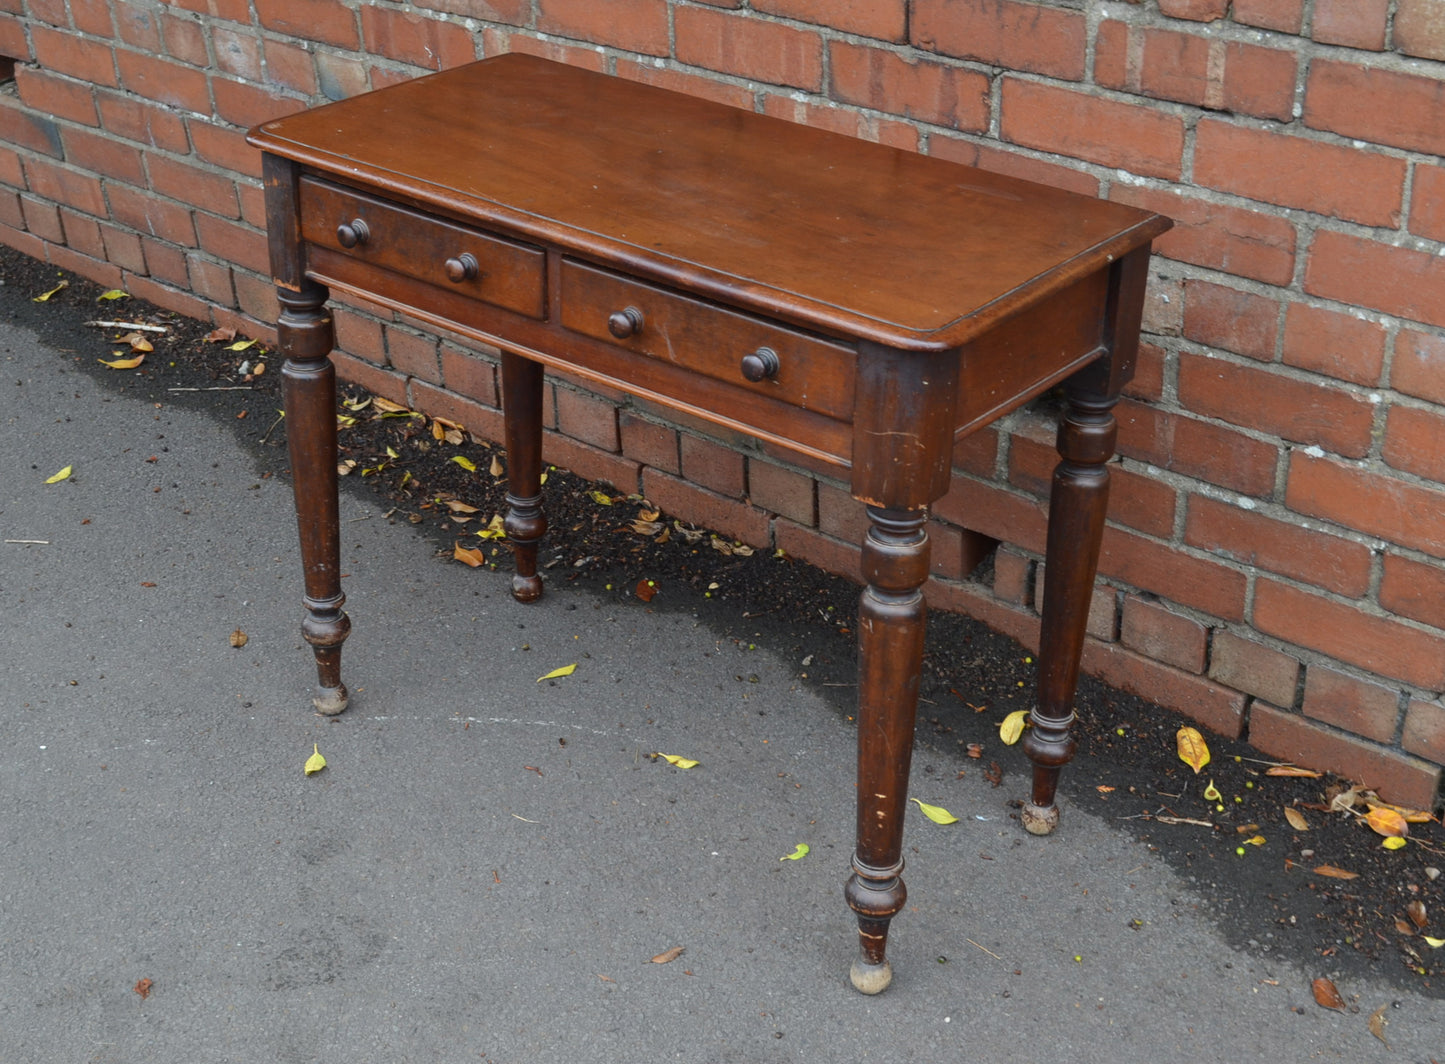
1432,872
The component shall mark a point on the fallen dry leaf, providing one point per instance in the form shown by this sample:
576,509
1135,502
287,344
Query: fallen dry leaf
1012,727
220,336
468,555
1332,872
1387,822
1291,770
668,955
315,763
935,813
1378,1022
1416,911
974,750
238,638
1193,750
565,670
1296,818
123,363
1327,995
645,590
143,988
45,297
993,774
497,468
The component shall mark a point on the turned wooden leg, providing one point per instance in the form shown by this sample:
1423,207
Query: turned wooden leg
1076,524
309,394
525,522
890,638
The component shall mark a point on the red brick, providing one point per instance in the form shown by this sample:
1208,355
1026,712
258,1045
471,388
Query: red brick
957,552
748,48
389,385
1168,572
22,129
585,417
1338,345
1329,179
512,12
163,295
56,97
1415,441
12,173
470,374
164,81
1379,106
1368,709
23,242
103,273
1253,668
1420,28
93,17
649,443
82,234
1163,635
1396,777
977,453
427,42
324,21
1217,708
413,354
1369,502
587,58
840,515
833,118
1227,318
1376,644
42,219
1138,139
13,42
636,25
66,53
1016,36
705,508
1259,81
137,26
210,280
1287,16
232,10
1427,203
1101,618
166,263
291,67
1414,589
339,77
1013,164
1196,448
1419,365
185,40
359,334
691,84
1425,731
1176,66
247,105
1189,68
62,185
1400,281
1005,515
193,185
1195,10
1253,539
884,20
113,159
1352,23
143,122
1148,382
824,552
783,491
123,248
1297,410
921,90
146,213
1232,239
1012,574
225,147
237,53
238,244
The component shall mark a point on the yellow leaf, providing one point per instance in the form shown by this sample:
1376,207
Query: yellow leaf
64,474
46,296
1296,818
124,363
680,762
1387,822
357,405
438,431
1012,726
241,345
465,462
600,499
1394,842
1412,816
468,556
386,406
1254,840
798,854
935,813
315,763
1192,749
1211,793
113,294
137,342
565,670
1435,943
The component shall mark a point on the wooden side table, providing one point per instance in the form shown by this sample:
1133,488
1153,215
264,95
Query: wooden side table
859,305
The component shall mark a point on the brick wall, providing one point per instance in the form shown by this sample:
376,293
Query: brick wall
1275,558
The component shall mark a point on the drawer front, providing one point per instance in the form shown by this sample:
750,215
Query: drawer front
724,344
468,261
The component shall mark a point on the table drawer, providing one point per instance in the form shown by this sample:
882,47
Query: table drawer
727,345
468,261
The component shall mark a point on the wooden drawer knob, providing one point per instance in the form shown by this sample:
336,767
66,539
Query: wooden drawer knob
761,365
463,268
625,323
355,232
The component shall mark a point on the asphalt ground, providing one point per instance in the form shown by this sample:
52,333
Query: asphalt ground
488,863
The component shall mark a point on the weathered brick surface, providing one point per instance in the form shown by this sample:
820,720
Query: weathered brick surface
1282,442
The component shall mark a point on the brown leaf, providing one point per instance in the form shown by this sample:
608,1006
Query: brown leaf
1327,996
993,774
1403,926
468,556
238,638
1291,770
1387,822
496,469
645,590
220,336
1377,1024
975,750
1416,911
668,955
1296,818
143,988
1335,873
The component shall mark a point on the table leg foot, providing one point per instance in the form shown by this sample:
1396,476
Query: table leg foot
876,895
525,524
870,978
1039,819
